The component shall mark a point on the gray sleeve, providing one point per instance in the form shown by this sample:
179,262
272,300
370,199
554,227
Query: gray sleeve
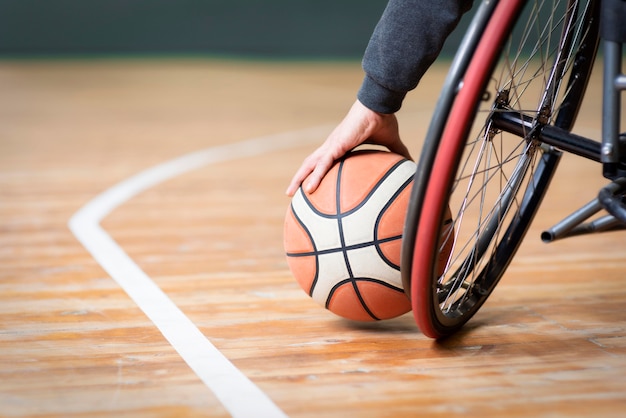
406,41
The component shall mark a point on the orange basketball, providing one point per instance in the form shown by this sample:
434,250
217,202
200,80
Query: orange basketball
343,241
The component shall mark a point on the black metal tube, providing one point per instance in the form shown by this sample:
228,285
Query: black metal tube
611,197
522,125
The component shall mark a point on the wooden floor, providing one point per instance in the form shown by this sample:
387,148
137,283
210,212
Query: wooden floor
551,341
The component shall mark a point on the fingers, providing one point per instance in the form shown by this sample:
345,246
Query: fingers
311,172
314,179
303,172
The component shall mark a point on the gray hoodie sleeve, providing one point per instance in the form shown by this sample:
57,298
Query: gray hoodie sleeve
406,41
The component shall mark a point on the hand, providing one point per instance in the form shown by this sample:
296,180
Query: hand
361,125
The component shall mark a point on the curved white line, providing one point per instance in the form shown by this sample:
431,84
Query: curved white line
236,392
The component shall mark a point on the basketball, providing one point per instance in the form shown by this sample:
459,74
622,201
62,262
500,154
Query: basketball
343,241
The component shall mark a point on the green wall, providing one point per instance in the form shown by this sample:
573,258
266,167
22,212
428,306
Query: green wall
258,28
332,28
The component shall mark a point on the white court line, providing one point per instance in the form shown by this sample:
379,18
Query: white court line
236,392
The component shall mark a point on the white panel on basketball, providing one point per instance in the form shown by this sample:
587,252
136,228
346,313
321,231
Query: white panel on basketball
366,263
332,268
325,234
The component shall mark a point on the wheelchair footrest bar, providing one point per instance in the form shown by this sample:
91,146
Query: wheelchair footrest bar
563,228
611,198
606,223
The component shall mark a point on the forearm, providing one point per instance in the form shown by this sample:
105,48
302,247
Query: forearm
405,43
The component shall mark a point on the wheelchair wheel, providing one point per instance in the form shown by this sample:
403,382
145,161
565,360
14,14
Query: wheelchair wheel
529,69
